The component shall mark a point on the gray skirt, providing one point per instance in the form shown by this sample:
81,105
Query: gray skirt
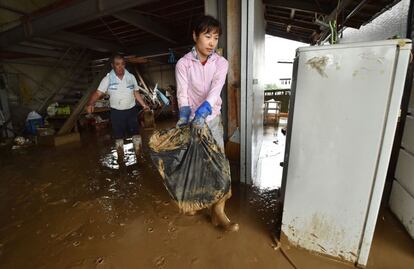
216,128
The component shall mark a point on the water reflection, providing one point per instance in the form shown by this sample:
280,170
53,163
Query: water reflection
110,160
269,176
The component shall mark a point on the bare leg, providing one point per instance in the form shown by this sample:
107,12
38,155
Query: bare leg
191,213
219,217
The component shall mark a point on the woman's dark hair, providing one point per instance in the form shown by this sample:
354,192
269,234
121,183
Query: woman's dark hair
207,24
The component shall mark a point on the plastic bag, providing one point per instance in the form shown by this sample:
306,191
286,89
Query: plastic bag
195,169
33,116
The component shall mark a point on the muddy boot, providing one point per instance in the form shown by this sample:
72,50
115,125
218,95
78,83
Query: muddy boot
119,145
219,217
137,142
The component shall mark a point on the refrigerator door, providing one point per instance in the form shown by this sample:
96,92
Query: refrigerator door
340,135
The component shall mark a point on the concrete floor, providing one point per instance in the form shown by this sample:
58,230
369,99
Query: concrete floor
73,207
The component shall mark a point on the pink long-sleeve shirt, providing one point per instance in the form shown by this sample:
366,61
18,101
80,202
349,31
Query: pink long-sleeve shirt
197,83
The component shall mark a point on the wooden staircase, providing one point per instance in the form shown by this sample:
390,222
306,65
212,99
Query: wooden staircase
77,108
79,76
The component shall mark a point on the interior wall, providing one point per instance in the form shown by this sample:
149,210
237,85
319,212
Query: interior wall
164,75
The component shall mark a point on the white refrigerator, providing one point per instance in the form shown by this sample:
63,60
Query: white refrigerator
344,110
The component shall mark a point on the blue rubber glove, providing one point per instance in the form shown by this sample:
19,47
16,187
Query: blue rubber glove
185,113
201,114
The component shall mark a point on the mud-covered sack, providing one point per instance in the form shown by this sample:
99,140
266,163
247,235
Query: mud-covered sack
195,170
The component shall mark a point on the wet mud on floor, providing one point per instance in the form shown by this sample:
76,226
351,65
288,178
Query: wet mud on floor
74,207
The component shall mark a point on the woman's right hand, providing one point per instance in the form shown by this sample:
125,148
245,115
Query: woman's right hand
181,122
184,116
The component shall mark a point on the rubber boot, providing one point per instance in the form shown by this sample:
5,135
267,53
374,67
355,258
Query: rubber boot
219,217
137,142
119,145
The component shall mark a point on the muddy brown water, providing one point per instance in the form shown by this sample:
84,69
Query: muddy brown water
74,207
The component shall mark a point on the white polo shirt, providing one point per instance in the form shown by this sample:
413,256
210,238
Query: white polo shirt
121,92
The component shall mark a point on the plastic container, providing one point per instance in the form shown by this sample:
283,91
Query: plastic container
32,125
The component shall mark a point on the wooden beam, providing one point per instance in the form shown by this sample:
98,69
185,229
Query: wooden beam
234,72
292,28
85,41
290,36
148,92
296,23
292,14
77,13
155,48
338,10
307,6
333,15
34,51
147,24
210,8
12,9
141,79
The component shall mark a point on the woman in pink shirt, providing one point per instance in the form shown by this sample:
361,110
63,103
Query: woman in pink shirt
200,76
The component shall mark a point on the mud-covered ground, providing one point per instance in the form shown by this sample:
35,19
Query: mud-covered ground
74,207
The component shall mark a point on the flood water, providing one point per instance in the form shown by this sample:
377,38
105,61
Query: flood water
75,207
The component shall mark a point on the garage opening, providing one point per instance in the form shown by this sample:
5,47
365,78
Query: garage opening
307,23
280,54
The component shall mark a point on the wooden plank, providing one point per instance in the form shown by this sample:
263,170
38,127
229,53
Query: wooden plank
148,25
47,23
306,6
308,25
335,14
98,110
71,121
291,36
148,91
338,10
233,57
142,80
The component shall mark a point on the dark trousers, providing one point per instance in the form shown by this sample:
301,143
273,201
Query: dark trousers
124,122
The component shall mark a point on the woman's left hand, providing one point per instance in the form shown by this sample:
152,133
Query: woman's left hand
198,122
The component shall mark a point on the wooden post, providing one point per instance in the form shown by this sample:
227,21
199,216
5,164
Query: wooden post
233,56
